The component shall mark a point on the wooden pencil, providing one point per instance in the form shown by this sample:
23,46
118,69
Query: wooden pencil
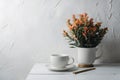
81,71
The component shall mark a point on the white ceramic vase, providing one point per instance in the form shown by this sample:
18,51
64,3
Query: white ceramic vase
86,57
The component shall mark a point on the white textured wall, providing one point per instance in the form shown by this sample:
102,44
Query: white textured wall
31,30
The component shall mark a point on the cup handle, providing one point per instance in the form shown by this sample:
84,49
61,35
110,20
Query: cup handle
99,56
72,60
101,53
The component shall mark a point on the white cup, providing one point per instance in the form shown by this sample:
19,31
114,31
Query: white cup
60,60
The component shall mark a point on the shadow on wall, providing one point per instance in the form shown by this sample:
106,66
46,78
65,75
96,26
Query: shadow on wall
111,51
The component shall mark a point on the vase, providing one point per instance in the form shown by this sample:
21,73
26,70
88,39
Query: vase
86,57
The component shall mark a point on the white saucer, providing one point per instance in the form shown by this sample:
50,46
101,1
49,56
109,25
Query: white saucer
61,69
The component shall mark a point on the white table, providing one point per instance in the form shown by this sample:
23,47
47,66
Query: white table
102,72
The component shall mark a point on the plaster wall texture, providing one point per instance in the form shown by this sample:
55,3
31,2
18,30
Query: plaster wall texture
31,30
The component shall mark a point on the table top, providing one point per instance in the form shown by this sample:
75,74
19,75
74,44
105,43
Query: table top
101,69
109,71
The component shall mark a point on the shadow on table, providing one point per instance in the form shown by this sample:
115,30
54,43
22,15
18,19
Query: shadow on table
107,65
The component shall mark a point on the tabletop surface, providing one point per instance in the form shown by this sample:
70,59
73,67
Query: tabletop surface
102,71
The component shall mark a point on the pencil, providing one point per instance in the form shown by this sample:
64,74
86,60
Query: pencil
81,71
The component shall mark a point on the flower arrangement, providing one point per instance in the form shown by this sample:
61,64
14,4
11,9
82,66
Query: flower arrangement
83,32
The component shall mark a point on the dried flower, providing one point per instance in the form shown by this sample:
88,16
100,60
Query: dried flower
74,19
83,32
65,33
106,29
